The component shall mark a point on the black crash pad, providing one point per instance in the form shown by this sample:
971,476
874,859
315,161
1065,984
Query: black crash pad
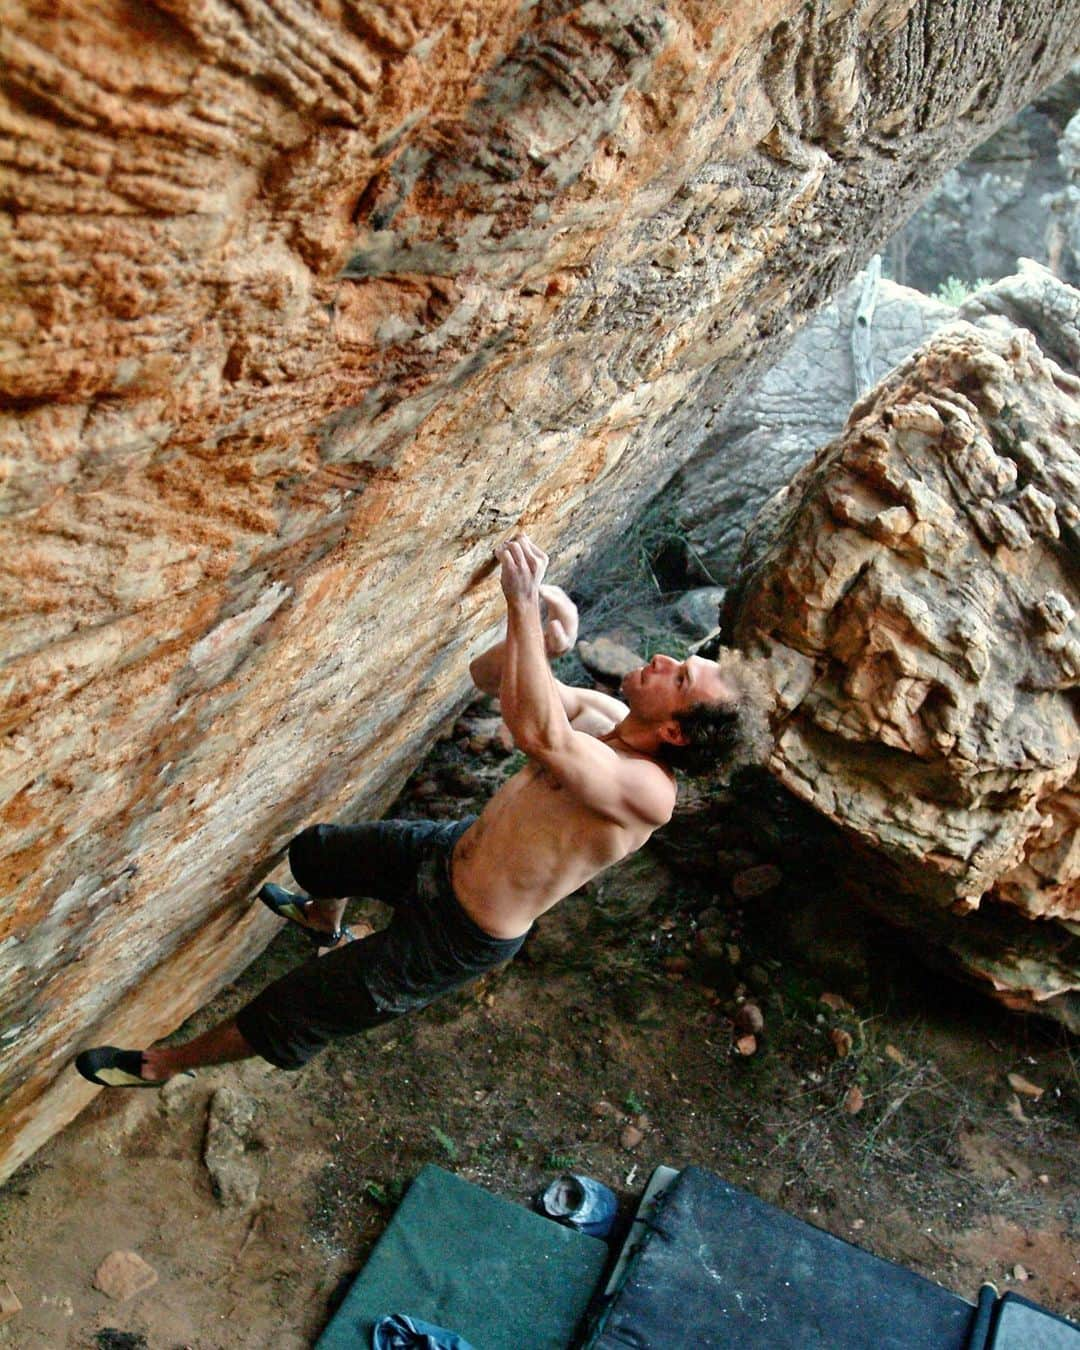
721,1268
1019,1324
494,1272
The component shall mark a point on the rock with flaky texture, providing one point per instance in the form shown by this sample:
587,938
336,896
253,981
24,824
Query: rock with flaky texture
306,306
916,588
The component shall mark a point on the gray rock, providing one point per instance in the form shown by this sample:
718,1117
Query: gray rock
801,403
697,612
607,660
1063,231
176,1094
992,208
233,1174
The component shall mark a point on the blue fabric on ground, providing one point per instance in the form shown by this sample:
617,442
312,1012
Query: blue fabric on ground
398,1332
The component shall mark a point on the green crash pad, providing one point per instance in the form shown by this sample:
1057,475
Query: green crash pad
460,1257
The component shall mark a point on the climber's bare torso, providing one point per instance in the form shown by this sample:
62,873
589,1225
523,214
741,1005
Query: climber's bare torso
596,786
536,842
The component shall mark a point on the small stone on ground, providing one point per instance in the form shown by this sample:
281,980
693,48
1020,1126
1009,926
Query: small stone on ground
756,881
631,1137
122,1275
854,1101
9,1302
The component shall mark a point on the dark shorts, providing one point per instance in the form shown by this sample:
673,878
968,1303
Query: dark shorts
430,946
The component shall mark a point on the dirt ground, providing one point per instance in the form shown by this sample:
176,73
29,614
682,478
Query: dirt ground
884,1113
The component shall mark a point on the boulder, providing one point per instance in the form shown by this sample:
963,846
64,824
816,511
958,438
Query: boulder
607,660
915,591
696,612
306,308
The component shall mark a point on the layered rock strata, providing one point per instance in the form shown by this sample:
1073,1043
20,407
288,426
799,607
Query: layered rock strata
916,589
305,307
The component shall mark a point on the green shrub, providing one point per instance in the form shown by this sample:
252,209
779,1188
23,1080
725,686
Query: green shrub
954,290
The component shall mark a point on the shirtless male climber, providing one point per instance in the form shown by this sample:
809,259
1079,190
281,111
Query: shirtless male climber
465,893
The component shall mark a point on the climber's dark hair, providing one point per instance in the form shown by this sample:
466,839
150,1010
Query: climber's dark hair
726,735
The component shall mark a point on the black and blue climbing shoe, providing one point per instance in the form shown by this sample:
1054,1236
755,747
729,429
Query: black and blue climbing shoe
109,1067
287,905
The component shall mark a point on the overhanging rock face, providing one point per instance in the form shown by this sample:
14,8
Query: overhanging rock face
306,307
917,588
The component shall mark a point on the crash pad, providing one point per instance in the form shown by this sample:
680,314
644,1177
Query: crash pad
719,1267
491,1270
1019,1324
